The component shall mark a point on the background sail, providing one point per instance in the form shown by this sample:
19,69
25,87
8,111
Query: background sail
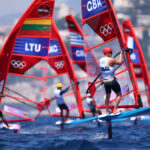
101,29
36,61
138,61
61,70
76,42
78,57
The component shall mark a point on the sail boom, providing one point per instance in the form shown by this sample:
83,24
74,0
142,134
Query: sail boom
91,48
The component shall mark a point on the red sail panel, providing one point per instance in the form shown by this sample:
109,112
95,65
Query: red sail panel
58,64
37,61
137,58
21,64
101,29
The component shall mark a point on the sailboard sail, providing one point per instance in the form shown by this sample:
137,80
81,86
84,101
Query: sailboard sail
76,42
34,61
78,57
62,70
101,29
20,56
138,61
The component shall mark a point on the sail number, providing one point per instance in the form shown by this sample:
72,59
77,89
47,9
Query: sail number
93,4
33,47
79,53
53,49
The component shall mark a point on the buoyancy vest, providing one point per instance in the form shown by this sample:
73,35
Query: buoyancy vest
59,98
106,70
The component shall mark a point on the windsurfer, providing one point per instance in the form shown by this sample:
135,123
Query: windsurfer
1,114
91,105
3,119
107,65
60,100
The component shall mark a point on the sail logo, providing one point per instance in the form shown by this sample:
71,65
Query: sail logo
53,49
71,25
131,42
135,57
126,30
33,47
18,64
93,4
106,29
59,64
43,10
79,53
92,7
76,39
125,89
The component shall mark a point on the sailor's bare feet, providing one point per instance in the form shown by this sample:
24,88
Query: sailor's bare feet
116,111
9,126
67,121
108,112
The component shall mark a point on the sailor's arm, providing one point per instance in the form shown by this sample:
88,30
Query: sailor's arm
3,95
117,62
64,91
92,103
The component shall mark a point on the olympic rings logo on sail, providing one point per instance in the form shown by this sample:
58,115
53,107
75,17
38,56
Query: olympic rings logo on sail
106,29
59,64
18,64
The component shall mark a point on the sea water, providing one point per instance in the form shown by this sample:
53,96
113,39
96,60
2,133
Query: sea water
43,134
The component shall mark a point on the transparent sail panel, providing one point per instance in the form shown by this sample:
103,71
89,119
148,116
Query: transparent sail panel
121,74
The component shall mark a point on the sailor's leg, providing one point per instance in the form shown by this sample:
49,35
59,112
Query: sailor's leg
107,97
107,103
67,113
62,116
93,111
117,89
117,101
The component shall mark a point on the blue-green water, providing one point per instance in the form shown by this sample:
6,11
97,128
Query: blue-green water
44,135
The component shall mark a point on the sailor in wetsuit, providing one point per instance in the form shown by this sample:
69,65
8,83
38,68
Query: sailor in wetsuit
3,119
60,100
91,105
107,64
